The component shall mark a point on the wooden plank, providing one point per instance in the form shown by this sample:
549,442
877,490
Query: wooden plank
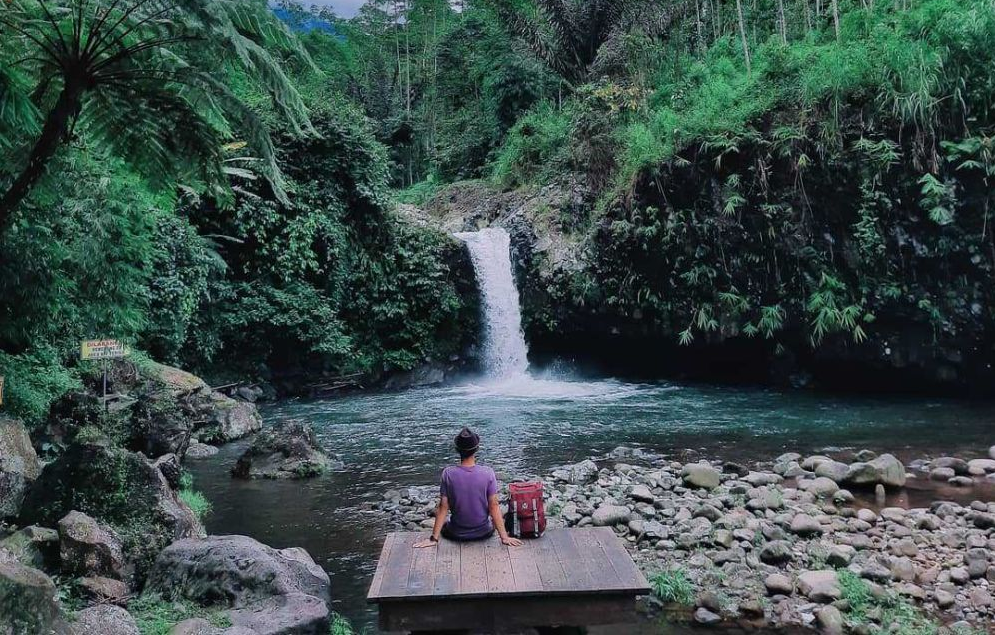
523,565
447,568
578,577
395,577
495,614
628,573
550,570
497,559
472,570
596,559
381,566
421,576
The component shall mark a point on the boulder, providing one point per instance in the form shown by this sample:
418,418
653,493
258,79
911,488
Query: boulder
34,546
884,470
776,552
19,466
90,549
291,614
822,487
105,619
805,525
228,419
234,571
700,475
642,494
705,617
833,470
285,452
159,425
991,452
199,450
114,487
959,466
830,620
819,586
175,381
27,600
607,515
979,467
578,473
103,590
778,584
169,466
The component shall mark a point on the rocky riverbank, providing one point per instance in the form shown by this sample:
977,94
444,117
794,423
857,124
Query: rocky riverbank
101,533
801,543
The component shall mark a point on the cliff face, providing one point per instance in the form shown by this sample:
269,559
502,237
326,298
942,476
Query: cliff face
612,288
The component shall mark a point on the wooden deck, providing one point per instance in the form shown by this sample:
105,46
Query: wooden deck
569,577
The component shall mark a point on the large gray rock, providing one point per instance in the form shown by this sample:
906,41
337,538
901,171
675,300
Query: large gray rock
884,470
292,614
34,546
286,452
235,571
115,487
88,548
160,426
229,419
27,599
578,473
608,515
105,619
830,620
819,586
701,475
991,452
19,466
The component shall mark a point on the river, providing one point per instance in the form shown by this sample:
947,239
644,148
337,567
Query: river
390,440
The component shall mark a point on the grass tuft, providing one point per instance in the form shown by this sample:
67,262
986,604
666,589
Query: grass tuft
673,586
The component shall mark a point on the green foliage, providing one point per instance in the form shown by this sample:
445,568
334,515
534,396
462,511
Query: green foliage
834,183
156,615
673,586
193,499
892,613
340,626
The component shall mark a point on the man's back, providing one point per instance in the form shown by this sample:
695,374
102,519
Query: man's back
468,489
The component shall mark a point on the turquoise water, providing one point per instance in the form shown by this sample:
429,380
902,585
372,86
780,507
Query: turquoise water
388,440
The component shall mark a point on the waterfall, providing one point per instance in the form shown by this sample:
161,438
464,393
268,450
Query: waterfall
505,354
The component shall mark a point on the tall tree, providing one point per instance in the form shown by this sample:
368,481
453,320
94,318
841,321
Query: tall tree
580,39
141,77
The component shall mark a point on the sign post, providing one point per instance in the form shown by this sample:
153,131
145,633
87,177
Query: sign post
102,350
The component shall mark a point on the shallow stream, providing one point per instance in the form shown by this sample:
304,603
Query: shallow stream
390,440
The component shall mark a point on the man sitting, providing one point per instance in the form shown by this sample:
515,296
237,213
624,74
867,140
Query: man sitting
468,491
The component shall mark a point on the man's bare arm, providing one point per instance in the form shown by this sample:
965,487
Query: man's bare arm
498,520
440,519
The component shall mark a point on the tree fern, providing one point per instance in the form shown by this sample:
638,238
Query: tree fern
142,76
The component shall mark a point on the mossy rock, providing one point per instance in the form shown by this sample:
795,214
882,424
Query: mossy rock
116,487
27,600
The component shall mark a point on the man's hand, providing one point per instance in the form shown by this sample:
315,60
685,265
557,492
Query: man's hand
511,542
425,543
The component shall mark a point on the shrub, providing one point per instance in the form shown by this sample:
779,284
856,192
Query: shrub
673,586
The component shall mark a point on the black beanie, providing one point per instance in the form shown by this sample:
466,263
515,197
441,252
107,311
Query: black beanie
467,440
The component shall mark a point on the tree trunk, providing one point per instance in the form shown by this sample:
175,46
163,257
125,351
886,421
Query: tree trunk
699,27
742,34
781,22
836,18
52,133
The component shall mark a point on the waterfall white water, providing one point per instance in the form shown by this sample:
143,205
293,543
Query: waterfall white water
505,354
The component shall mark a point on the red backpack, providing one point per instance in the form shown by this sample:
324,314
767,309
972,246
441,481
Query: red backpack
526,517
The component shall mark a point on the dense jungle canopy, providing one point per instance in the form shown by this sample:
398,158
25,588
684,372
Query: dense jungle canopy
217,184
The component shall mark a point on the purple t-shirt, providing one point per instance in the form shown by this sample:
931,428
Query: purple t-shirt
469,490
